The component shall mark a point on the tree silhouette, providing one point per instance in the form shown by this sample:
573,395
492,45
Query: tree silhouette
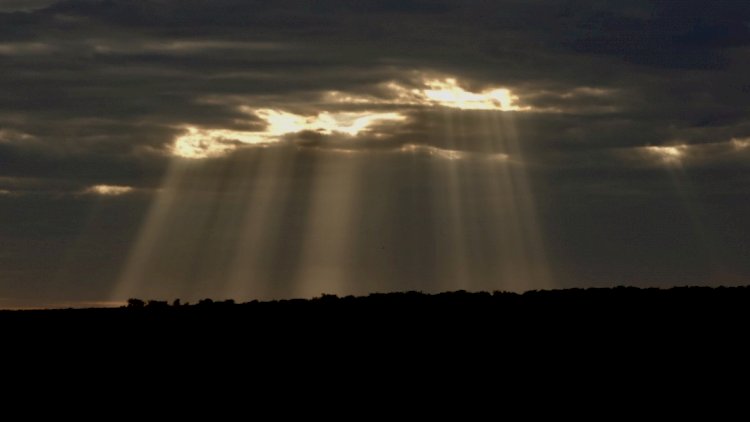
135,303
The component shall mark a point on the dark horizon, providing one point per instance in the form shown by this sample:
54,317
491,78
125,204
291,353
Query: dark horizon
613,301
277,149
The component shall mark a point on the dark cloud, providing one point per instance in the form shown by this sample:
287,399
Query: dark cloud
96,92
23,5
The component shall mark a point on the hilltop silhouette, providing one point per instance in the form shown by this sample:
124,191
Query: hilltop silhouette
579,308
552,330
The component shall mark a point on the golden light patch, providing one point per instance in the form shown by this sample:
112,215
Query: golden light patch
350,123
667,154
435,92
739,144
108,190
448,93
206,143
451,154
447,154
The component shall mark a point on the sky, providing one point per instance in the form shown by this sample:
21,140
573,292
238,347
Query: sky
270,149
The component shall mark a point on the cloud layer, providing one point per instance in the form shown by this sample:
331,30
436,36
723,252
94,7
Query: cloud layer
618,106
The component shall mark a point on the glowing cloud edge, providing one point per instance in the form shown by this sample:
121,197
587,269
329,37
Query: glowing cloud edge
107,190
200,143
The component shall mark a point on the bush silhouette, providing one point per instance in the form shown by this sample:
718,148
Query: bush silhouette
135,303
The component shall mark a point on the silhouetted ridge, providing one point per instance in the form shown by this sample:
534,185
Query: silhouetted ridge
543,326
620,301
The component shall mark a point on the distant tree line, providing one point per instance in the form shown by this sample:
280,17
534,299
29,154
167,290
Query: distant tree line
564,297
134,303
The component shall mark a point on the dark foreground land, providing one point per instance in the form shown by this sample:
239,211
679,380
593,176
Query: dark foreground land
686,309
612,333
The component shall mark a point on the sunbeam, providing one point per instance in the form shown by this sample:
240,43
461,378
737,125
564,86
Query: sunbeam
265,150
251,273
672,158
330,234
256,215
451,209
530,234
132,281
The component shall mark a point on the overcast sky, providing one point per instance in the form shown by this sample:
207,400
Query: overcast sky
265,149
